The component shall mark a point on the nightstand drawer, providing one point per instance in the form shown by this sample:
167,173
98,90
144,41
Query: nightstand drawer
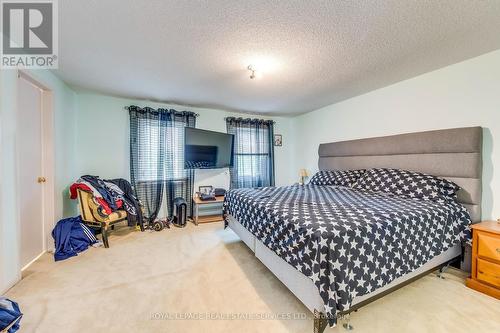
488,246
488,272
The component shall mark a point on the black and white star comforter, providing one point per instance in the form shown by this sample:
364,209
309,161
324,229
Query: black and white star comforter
349,242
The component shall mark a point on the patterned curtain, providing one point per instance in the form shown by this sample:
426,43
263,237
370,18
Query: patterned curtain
253,152
157,158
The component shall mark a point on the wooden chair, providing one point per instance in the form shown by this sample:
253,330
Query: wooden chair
94,217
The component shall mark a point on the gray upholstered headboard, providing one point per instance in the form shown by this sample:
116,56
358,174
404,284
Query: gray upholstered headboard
454,154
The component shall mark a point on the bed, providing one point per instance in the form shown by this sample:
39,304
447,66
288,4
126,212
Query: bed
338,248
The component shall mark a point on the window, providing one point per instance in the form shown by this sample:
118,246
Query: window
249,161
157,158
149,156
253,153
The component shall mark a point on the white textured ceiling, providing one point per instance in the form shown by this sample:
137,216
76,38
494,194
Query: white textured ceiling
314,53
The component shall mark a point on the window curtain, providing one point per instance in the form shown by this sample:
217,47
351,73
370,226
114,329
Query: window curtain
157,158
253,152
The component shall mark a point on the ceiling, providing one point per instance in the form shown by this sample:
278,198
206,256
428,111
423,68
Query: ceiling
312,53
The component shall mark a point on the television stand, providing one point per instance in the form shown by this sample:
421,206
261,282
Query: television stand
207,218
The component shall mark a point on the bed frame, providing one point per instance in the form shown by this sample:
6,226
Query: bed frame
454,154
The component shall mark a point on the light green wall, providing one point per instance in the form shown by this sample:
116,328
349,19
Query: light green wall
64,137
461,95
103,138
9,227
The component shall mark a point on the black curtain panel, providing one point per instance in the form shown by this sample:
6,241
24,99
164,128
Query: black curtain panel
253,152
157,158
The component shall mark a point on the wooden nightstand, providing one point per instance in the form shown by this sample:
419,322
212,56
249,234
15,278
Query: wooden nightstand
485,274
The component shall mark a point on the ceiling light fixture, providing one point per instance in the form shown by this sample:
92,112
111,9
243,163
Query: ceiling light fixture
260,64
252,69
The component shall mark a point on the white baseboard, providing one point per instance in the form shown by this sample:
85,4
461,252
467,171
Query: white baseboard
32,261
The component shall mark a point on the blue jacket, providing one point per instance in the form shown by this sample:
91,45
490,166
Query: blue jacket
9,312
71,236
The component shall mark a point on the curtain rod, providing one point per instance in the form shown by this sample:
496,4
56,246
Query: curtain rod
156,110
250,119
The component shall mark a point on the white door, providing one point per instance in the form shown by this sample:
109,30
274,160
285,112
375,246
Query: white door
29,147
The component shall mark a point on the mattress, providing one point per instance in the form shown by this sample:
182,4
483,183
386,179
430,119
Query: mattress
348,242
303,287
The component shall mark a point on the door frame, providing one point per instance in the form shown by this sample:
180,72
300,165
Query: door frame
48,162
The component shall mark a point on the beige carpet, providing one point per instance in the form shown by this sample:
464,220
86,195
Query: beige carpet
146,278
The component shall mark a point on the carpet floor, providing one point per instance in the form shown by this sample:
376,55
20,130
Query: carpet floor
204,279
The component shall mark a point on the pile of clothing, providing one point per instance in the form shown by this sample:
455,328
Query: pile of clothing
71,237
10,315
112,194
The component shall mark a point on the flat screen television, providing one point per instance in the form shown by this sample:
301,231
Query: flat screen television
207,149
